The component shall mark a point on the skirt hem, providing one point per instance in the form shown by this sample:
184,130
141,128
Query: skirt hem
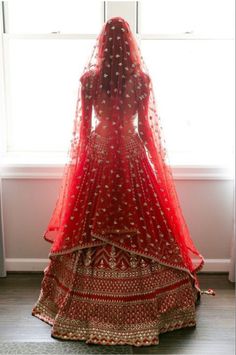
95,336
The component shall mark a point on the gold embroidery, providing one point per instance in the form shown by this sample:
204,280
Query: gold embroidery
84,296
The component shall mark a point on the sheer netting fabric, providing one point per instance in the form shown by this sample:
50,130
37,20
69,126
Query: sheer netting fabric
117,184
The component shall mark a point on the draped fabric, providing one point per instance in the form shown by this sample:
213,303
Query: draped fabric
122,262
117,184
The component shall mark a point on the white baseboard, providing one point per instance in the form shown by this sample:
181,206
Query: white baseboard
27,264
216,265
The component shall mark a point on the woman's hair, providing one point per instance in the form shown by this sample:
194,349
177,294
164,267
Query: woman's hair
118,56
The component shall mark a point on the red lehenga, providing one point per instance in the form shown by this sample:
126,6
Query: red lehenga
122,263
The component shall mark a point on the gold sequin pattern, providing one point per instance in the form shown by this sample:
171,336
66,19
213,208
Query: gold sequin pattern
89,295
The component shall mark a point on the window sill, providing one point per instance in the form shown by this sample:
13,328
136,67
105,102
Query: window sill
48,166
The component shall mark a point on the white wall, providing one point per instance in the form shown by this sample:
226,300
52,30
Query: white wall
27,204
29,195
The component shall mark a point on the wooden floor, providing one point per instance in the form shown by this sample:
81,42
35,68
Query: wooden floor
214,333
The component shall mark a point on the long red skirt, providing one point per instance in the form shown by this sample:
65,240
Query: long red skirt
109,296
116,289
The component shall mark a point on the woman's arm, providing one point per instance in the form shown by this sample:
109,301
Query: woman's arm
145,129
86,105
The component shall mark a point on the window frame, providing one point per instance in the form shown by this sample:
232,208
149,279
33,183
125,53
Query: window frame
31,165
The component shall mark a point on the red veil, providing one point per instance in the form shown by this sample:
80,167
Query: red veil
117,184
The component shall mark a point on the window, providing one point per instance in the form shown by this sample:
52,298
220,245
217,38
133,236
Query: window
43,63
43,80
188,46
200,17
71,16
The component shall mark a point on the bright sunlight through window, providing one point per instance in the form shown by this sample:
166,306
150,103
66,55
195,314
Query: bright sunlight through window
188,46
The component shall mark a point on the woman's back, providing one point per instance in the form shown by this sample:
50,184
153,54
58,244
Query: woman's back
116,112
